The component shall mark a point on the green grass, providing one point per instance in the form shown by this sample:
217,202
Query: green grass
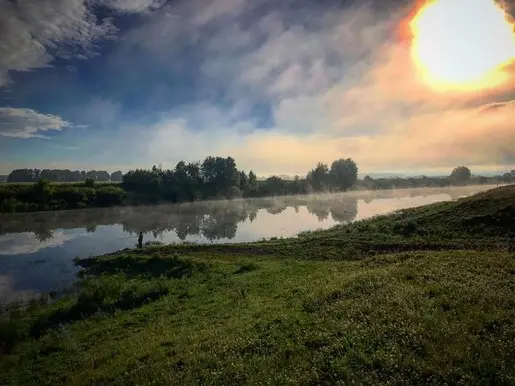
425,296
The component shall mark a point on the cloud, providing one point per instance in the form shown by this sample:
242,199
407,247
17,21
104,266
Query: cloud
134,6
217,8
341,84
27,123
36,32
97,113
280,88
26,243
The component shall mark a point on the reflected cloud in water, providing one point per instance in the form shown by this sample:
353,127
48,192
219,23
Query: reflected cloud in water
28,242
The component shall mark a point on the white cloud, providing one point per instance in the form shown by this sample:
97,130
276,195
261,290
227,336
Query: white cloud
27,123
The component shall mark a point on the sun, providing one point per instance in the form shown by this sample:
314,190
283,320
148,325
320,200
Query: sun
462,44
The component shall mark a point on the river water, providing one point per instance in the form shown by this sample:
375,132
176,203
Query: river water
37,250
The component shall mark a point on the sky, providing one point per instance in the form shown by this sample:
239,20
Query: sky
397,85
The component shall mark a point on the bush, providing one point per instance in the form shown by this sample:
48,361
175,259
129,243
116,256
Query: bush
89,183
110,196
75,197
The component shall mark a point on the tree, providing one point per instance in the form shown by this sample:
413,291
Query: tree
244,181
117,176
273,186
219,175
296,186
21,175
252,181
461,174
319,177
42,191
343,174
92,174
103,176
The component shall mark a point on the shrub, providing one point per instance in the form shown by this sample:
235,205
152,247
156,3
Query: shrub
89,183
110,196
74,197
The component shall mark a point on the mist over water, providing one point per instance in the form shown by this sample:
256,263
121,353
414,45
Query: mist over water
37,250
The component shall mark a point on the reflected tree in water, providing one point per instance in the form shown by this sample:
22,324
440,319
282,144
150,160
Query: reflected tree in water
276,210
319,209
344,211
252,215
43,234
214,220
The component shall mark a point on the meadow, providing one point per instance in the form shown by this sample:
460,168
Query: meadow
424,295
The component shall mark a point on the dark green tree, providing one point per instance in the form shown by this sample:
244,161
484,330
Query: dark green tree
252,182
343,174
117,176
460,175
244,181
319,177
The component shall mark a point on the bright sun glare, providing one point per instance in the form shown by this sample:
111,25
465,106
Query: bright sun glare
462,44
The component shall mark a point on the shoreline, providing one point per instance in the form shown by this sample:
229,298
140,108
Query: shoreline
8,206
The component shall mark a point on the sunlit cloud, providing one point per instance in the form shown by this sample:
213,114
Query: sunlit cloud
281,88
346,91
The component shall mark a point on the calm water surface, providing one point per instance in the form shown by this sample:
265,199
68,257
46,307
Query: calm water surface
37,250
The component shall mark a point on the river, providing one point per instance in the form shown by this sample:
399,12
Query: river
37,249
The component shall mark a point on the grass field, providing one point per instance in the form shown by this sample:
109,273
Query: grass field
424,296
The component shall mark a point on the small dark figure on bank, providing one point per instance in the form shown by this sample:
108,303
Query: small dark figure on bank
140,240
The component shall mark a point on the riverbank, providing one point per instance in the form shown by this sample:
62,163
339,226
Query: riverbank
47,196
421,296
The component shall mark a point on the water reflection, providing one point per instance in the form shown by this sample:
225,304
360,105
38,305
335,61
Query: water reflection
36,250
213,220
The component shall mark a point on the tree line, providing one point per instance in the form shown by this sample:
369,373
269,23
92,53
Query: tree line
213,178
62,175
459,176
218,177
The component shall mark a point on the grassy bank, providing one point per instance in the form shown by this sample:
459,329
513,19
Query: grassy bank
422,296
